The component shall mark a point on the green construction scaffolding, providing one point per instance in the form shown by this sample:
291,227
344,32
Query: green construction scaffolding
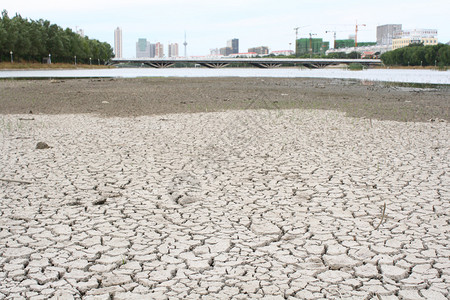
311,46
351,43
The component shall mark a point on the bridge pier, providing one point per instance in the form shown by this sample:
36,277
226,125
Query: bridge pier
256,62
318,65
266,65
214,65
159,65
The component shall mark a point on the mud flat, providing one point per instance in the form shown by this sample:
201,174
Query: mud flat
148,96
145,201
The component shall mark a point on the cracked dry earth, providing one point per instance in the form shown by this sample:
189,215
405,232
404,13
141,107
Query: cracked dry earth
270,204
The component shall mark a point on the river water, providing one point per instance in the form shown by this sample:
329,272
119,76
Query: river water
390,75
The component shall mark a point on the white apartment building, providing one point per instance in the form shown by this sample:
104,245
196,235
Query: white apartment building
159,50
415,36
118,43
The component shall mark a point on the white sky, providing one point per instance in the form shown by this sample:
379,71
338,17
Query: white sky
209,24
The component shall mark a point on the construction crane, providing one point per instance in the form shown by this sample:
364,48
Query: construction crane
296,31
310,43
296,36
356,33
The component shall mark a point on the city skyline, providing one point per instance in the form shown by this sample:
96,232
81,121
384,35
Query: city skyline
255,23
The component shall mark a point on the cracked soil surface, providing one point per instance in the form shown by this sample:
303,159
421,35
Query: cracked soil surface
156,203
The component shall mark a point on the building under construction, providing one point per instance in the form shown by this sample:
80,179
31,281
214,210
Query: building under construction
311,46
351,43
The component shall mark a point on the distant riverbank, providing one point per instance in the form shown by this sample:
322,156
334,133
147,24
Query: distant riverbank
56,66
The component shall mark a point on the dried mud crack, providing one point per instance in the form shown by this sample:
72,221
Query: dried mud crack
232,204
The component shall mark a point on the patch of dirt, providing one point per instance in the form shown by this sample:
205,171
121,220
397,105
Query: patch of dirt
150,96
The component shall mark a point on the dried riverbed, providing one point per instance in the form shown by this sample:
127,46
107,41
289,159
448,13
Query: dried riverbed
153,202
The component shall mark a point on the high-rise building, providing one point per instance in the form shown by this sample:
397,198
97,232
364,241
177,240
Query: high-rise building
214,52
152,50
173,50
143,48
118,43
234,45
386,33
263,50
311,46
225,51
159,50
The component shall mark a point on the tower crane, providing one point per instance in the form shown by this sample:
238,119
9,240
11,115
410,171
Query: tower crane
296,31
310,43
356,33
296,36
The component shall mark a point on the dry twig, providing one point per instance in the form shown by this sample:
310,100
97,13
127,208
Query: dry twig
16,181
382,216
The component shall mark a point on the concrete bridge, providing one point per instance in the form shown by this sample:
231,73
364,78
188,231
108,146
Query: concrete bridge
257,62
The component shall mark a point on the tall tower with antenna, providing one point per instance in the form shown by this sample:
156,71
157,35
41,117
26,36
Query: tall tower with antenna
185,45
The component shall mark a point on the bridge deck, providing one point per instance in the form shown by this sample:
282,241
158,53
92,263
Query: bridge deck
258,62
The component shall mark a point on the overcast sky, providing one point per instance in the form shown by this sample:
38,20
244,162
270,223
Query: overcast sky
209,24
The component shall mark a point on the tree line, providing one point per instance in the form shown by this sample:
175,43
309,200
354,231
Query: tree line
418,55
31,40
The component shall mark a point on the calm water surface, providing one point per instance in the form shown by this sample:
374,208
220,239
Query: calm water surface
412,76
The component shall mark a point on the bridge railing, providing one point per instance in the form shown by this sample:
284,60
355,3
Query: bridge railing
259,62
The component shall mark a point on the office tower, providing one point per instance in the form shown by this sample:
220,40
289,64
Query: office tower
118,43
142,49
234,45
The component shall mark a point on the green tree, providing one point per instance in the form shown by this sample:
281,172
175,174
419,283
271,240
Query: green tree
34,40
416,55
444,55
